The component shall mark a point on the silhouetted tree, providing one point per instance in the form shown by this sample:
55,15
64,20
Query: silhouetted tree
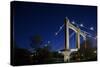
87,53
36,41
21,56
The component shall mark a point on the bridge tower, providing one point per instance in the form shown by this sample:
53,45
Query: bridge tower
67,51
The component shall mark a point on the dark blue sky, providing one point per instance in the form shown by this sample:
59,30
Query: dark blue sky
45,19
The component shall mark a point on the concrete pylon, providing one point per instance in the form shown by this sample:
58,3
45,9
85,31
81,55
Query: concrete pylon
66,56
66,34
66,52
78,39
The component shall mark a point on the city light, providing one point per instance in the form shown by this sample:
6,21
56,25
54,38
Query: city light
32,55
95,51
59,52
45,45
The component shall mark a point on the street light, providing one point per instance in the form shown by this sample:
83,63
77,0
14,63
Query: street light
81,25
91,28
73,22
59,52
48,42
46,45
56,33
60,27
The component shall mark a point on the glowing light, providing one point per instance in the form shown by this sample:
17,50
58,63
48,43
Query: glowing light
91,28
45,45
61,27
95,51
56,33
95,38
32,55
72,50
81,25
73,22
59,51
48,42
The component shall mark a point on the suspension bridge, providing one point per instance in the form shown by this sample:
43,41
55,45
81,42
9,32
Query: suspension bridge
79,32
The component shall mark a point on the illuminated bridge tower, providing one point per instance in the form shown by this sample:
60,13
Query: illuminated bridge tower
67,51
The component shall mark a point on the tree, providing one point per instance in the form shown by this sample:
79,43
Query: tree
36,41
87,53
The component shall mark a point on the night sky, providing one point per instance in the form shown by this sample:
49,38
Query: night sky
43,19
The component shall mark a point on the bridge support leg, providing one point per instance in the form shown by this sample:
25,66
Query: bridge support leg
78,40
66,56
66,51
66,33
